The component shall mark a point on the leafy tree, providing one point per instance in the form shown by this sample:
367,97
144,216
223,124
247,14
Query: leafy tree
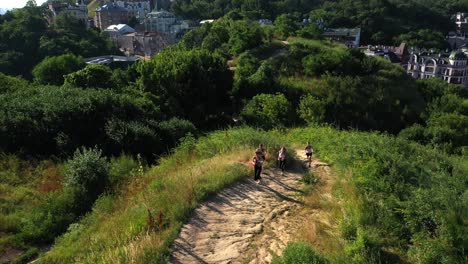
11,84
243,36
53,69
267,111
286,25
50,120
312,110
424,38
191,84
95,75
20,31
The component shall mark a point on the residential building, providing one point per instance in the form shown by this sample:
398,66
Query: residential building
461,21
452,68
351,37
265,22
112,60
115,31
165,22
111,14
79,10
144,44
137,9
398,55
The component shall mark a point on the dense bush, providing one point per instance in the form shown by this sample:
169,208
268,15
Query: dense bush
49,120
299,253
95,75
52,70
88,172
267,111
192,85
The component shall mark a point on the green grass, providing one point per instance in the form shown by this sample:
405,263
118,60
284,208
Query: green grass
117,229
404,201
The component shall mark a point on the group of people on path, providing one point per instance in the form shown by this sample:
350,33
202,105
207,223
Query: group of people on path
259,159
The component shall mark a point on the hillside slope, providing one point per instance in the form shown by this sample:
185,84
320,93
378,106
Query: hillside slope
393,201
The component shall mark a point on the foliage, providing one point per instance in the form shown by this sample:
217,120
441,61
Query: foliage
10,84
88,172
52,70
286,25
312,110
25,40
407,196
299,253
267,111
444,119
95,75
192,85
56,120
424,38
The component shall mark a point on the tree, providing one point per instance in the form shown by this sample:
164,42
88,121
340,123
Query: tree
312,110
286,25
267,111
191,84
53,69
95,75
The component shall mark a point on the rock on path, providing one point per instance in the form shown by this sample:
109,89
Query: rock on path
224,229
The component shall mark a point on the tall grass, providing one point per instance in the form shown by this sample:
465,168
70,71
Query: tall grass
404,201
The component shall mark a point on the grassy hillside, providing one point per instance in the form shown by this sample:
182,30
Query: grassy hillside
407,205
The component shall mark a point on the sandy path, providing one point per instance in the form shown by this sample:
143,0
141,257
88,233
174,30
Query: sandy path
244,223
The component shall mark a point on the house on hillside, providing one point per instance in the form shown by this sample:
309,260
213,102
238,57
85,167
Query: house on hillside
144,44
165,22
111,14
452,68
138,9
351,37
115,31
397,55
79,10
461,22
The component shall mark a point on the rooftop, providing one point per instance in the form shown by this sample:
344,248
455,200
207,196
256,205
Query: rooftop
111,7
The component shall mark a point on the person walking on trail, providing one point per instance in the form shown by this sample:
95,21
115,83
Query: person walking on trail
257,162
282,159
262,149
309,150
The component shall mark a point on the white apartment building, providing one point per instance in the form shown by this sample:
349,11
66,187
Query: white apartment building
452,69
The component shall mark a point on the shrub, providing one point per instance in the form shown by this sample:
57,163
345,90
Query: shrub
267,111
309,177
363,249
299,253
174,129
312,110
88,171
53,69
95,75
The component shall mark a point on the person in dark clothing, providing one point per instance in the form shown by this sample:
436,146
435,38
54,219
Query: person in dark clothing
257,162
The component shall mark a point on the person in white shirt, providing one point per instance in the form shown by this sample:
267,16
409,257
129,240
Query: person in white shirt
282,159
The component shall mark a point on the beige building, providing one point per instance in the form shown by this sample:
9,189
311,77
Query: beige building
452,69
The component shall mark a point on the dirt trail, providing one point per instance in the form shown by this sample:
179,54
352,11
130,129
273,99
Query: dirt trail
247,222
